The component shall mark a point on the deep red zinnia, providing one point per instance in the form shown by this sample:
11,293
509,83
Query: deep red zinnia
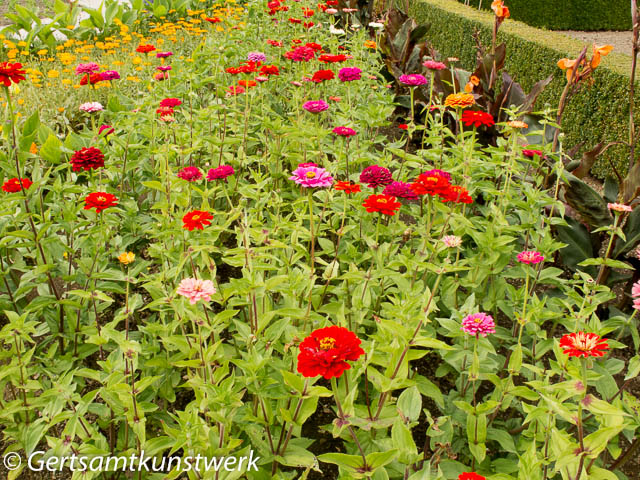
13,185
322,75
196,219
11,72
384,204
583,344
470,476
87,159
326,351
100,201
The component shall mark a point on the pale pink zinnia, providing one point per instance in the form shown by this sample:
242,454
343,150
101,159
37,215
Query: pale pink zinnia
311,177
433,65
316,106
530,256
452,241
635,294
195,289
91,107
478,324
619,207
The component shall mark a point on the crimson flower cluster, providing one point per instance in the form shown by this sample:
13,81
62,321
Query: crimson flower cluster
87,159
436,182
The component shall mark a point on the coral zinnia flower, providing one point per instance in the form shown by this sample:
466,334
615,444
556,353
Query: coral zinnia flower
583,344
432,182
347,187
456,194
326,351
196,219
470,476
477,119
100,201
478,324
87,159
376,176
195,289
530,256
619,207
13,185
311,177
459,100
384,204
11,72
517,124
190,174
433,65
221,172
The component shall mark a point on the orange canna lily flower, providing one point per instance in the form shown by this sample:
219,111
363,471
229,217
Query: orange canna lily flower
473,82
567,64
499,9
598,52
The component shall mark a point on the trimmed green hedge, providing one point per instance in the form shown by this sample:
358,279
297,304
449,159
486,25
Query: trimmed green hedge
596,113
587,15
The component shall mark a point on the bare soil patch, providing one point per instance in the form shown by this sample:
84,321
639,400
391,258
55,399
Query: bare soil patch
621,41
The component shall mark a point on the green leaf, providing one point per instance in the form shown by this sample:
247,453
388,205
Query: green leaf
380,459
634,368
50,150
410,404
587,202
348,462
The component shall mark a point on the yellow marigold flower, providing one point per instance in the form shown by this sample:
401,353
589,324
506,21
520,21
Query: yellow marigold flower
136,61
53,74
139,69
60,109
517,124
21,101
22,44
42,52
126,258
133,79
66,81
459,100
11,54
24,52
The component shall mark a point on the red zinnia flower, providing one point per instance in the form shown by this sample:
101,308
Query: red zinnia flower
274,43
348,187
92,79
247,83
430,183
456,194
213,19
470,476
477,119
87,159
295,20
403,126
100,201
11,72
316,46
308,24
13,185
307,12
384,204
196,219
269,70
170,102
328,58
322,75
145,48
235,90
326,351
583,344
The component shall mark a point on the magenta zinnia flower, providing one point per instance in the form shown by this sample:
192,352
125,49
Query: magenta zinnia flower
190,174
316,106
530,256
312,177
413,80
195,289
344,131
478,324
222,172
87,68
109,75
163,54
164,68
349,74
376,176
400,190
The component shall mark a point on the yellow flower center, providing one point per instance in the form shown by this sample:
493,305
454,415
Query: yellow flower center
327,343
382,200
310,174
195,217
100,198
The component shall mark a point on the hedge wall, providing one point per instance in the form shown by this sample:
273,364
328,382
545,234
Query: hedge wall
596,113
587,15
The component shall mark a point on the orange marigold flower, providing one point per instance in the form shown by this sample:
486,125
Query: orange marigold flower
459,100
370,44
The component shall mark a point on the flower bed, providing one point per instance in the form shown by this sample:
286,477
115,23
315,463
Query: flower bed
256,256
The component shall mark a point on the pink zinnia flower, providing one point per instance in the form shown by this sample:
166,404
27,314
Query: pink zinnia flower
164,68
91,107
635,294
163,54
530,256
106,129
344,131
308,164
529,153
221,172
190,174
619,207
87,68
301,54
349,74
109,75
316,106
311,177
413,80
452,241
400,190
195,289
376,176
433,65
478,324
